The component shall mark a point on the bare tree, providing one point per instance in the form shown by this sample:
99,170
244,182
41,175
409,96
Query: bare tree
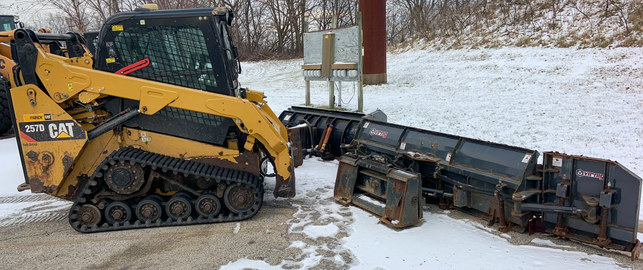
75,13
275,28
624,10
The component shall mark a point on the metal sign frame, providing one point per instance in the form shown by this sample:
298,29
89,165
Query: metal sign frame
334,55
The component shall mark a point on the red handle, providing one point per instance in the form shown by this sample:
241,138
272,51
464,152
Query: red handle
134,67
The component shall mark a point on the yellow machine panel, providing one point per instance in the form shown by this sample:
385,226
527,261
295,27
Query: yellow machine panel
50,138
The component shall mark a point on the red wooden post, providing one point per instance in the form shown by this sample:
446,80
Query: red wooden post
374,41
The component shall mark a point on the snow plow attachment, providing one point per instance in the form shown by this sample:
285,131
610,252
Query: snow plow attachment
591,200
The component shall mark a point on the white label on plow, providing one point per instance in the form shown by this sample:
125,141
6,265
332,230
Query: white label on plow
557,161
526,158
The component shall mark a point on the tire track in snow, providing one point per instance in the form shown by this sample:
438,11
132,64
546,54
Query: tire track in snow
34,218
29,209
27,198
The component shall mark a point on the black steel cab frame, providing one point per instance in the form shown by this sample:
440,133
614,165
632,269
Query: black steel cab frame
91,41
189,48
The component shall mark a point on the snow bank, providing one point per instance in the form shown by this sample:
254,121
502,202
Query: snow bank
445,243
11,174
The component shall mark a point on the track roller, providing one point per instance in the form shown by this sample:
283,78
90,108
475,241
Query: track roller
179,206
89,215
238,198
118,212
208,205
149,209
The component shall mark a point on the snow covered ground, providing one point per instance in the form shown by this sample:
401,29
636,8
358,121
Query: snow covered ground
11,170
587,102
22,207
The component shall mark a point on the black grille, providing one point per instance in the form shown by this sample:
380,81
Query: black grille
192,116
178,54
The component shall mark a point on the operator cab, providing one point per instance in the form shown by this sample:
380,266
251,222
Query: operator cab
9,22
189,48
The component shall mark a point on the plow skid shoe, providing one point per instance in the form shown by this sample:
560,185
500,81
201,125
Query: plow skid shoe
394,195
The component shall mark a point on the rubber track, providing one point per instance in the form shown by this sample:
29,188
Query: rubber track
164,163
5,114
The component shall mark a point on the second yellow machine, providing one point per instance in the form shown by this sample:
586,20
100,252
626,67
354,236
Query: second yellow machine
153,130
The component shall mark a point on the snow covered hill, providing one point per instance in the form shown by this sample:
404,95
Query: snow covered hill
585,102
495,24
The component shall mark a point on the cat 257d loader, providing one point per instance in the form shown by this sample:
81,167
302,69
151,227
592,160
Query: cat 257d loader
153,130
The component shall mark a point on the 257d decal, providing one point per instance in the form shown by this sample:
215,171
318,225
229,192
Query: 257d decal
51,131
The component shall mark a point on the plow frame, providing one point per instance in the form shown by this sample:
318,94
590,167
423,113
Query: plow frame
586,199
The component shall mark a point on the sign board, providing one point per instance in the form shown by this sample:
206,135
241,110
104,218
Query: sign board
332,55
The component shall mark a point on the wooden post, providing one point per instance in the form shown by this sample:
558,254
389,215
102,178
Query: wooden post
360,91
360,95
374,40
339,94
307,93
304,26
331,88
328,56
331,94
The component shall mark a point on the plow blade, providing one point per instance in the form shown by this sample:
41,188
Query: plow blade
315,128
591,200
